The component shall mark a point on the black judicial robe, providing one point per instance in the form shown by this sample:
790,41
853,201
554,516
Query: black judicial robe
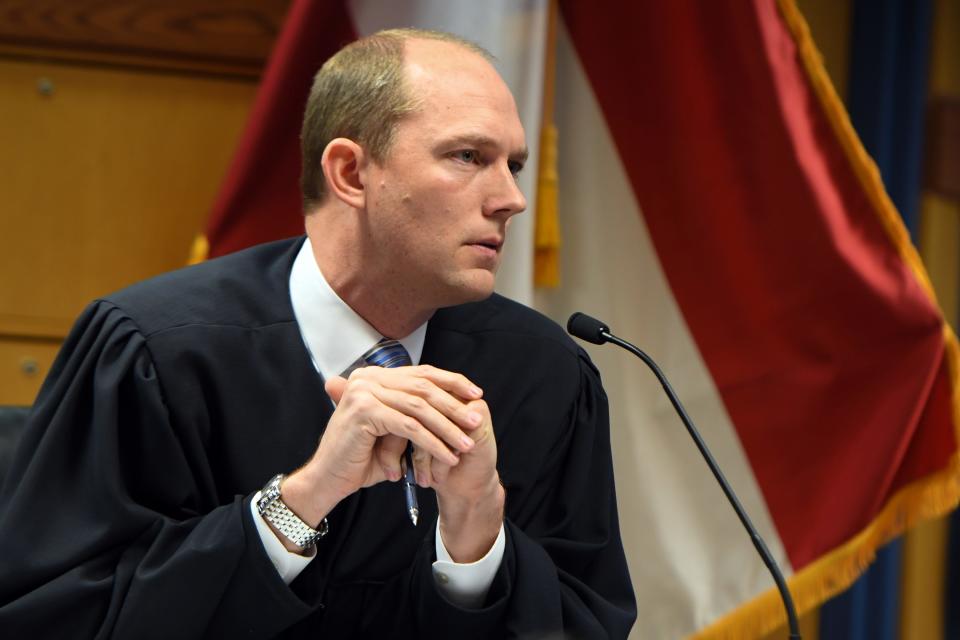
126,511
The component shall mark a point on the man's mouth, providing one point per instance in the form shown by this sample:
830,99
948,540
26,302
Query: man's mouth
493,243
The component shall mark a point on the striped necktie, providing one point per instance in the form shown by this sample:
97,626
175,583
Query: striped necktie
387,353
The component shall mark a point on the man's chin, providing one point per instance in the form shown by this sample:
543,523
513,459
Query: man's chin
475,286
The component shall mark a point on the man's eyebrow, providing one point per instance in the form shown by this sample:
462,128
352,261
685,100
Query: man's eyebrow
520,156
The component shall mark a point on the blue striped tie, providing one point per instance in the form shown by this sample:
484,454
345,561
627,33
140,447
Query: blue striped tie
387,353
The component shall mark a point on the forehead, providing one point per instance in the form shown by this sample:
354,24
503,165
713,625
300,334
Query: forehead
457,91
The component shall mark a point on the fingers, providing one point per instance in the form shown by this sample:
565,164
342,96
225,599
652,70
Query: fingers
455,383
335,388
432,408
435,420
447,392
432,472
390,449
422,467
482,424
390,421
439,471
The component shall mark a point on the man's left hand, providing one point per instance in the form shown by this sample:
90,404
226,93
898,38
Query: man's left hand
469,494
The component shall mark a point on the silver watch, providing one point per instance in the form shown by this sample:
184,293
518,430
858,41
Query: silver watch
271,507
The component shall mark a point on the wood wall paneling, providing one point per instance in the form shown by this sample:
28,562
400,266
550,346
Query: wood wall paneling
942,162
217,36
118,120
23,365
106,178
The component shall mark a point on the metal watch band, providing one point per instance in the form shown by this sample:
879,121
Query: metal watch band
271,507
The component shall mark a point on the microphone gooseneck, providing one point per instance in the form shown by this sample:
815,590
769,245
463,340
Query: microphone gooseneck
592,330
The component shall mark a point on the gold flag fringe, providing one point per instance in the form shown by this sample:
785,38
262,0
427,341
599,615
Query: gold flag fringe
200,250
547,232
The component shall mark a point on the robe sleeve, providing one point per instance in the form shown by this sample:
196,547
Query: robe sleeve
564,572
107,528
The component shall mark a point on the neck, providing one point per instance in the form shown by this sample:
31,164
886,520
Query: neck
386,305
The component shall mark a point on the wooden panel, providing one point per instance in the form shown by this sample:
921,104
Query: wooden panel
222,36
23,366
942,164
105,177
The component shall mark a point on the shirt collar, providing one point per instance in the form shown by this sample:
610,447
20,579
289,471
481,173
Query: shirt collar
334,334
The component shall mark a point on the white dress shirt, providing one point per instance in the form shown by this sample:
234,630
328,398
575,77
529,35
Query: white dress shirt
336,337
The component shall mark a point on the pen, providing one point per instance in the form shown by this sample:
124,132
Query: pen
410,486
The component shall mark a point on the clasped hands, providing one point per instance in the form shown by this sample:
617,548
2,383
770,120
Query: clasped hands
444,416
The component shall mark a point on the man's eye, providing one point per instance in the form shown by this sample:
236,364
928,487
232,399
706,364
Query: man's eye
467,155
515,168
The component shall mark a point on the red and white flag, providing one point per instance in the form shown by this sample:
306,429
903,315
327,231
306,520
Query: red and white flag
718,209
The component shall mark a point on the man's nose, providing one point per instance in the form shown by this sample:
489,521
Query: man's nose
507,199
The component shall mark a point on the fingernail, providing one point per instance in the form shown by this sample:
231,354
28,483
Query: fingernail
476,392
466,441
474,418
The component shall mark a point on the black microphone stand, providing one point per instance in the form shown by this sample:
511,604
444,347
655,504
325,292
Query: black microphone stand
603,335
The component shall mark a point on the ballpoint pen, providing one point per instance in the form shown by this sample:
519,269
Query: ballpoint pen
410,486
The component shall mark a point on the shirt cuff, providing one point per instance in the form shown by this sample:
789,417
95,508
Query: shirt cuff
288,564
467,584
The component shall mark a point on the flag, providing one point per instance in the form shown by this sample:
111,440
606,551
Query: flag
259,199
718,209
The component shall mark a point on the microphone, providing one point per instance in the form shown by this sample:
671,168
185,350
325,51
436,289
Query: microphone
582,326
587,328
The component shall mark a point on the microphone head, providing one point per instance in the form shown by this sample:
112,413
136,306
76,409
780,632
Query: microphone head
586,328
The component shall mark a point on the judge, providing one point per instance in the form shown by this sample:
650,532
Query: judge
216,455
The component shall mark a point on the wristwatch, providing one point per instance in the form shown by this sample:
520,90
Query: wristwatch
271,507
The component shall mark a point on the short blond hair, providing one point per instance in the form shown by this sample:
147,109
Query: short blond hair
360,94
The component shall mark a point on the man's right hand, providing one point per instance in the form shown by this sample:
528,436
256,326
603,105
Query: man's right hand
378,411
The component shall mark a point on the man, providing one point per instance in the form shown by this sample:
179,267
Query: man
138,512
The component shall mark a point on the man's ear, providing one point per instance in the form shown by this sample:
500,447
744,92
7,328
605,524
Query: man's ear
343,161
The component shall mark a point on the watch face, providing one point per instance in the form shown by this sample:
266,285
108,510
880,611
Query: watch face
269,493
